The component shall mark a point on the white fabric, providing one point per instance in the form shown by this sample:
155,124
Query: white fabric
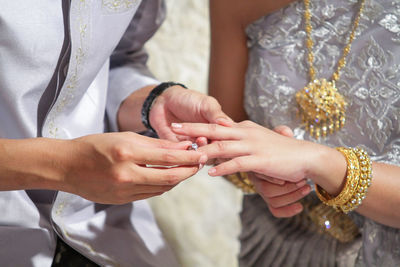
31,40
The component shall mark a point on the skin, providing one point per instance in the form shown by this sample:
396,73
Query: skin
228,63
281,196
325,166
228,58
111,168
292,160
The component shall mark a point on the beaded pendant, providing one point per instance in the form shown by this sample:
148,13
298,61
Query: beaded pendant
322,108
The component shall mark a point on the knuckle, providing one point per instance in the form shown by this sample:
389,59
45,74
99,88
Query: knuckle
119,175
172,179
212,127
237,163
168,156
220,146
121,153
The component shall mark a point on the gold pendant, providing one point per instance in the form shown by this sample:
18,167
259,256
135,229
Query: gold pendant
322,108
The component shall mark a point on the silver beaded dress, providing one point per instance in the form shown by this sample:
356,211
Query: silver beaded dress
370,82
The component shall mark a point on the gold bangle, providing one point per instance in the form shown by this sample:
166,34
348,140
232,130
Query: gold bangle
241,181
352,176
364,181
358,179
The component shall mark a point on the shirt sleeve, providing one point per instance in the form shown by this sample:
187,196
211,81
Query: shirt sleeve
128,70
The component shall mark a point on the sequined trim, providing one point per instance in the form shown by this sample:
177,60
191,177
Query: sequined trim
118,6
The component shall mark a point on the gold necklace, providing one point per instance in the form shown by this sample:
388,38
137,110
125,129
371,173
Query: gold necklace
322,107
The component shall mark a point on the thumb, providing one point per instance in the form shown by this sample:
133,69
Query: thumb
284,130
212,112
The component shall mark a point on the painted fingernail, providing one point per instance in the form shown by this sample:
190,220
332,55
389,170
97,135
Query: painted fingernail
176,125
305,190
212,171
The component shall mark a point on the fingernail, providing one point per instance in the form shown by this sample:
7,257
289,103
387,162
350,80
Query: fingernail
305,190
298,208
176,125
212,171
203,159
201,166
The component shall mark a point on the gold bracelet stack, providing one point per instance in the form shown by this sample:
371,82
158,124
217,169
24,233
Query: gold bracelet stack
241,181
358,180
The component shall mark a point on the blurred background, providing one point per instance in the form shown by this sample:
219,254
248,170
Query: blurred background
199,217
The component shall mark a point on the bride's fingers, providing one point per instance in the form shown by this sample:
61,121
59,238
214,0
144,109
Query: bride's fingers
284,200
210,131
272,190
267,178
238,164
225,149
284,130
225,122
287,211
201,141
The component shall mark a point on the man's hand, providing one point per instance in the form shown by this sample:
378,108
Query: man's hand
177,104
110,168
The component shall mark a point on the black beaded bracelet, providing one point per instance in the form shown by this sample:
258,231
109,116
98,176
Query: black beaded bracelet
148,102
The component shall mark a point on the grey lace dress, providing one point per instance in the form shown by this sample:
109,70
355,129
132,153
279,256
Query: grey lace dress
370,82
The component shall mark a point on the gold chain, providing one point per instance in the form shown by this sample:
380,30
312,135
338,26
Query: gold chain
322,107
309,41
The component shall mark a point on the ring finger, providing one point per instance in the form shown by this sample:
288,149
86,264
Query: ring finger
284,200
269,189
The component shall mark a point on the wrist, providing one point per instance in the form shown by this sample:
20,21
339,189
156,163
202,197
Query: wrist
327,167
36,163
151,99
128,115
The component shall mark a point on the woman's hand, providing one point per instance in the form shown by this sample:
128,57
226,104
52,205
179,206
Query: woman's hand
251,147
282,197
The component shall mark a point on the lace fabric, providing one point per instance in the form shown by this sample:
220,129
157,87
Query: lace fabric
370,83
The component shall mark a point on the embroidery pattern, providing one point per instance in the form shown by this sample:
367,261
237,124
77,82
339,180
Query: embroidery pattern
78,57
118,6
370,82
